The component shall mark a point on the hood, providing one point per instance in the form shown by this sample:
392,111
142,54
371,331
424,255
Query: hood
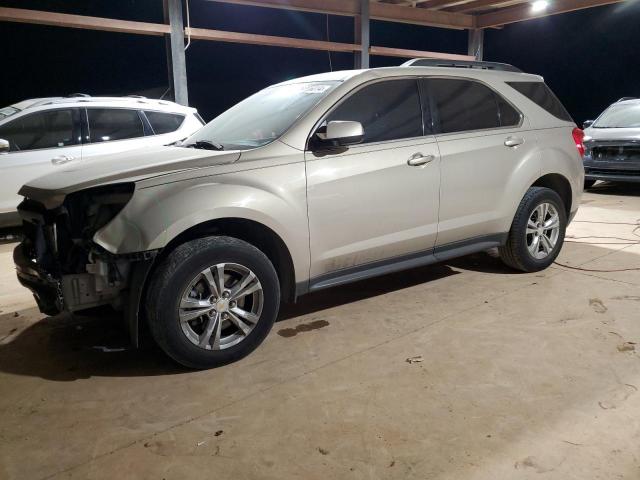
611,134
129,166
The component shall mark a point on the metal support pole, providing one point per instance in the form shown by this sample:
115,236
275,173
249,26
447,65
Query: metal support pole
176,61
476,43
362,35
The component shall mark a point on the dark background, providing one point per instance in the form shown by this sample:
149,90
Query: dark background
590,58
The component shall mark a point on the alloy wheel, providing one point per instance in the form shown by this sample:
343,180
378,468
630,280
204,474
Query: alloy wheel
221,306
543,231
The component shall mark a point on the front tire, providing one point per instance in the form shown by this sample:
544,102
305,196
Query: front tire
537,232
212,301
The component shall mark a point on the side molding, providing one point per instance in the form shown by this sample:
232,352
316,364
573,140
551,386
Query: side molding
404,262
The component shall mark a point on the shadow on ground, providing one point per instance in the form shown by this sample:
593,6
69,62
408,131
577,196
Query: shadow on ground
70,347
334,297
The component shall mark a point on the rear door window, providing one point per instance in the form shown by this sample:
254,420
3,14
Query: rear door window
162,122
109,124
462,105
388,110
49,129
541,94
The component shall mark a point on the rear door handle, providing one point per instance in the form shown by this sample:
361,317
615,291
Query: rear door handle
513,141
419,159
62,159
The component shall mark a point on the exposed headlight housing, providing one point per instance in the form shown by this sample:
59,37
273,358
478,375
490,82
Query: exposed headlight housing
91,209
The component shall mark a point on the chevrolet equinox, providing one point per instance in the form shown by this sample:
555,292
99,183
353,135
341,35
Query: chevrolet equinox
308,184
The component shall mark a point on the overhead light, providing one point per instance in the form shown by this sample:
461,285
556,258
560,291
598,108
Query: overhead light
539,6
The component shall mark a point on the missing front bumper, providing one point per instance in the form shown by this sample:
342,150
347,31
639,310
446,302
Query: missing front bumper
45,288
71,292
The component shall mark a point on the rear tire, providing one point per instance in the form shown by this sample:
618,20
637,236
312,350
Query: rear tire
212,301
589,183
537,232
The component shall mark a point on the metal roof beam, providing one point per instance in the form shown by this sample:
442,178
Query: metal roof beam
271,41
80,21
482,4
438,3
159,29
400,52
379,11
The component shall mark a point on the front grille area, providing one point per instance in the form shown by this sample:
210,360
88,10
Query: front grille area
39,234
48,239
613,158
616,152
57,259
608,171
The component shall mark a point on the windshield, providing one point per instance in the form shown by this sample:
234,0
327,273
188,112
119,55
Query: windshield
7,111
261,118
625,115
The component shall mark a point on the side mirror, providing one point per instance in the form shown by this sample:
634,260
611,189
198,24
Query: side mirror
4,146
341,133
588,123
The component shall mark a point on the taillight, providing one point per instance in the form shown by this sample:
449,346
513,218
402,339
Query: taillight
578,138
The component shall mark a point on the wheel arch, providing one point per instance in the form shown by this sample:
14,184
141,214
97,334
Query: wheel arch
559,184
250,231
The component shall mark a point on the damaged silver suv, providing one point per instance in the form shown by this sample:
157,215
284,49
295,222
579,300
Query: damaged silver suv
308,184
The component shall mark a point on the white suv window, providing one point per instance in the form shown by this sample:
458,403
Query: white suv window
108,124
164,122
49,129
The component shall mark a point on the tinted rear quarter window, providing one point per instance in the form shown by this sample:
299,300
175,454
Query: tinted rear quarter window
388,110
162,122
541,94
108,124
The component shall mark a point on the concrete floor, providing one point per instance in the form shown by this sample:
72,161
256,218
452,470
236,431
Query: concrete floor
523,376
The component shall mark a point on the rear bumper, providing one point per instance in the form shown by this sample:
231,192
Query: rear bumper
45,288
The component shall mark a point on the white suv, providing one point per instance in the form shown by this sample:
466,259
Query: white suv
42,135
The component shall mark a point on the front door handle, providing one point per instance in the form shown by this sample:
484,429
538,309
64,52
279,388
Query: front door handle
62,159
419,159
513,142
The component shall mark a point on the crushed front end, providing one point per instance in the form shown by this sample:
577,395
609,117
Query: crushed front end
62,265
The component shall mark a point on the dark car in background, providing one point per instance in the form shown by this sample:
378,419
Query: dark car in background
612,144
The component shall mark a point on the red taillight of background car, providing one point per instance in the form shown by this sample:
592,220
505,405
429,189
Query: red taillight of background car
578,138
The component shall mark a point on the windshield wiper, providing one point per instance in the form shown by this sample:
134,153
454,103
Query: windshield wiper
205,145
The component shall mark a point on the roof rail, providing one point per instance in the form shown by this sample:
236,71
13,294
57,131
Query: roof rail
627,98
135,96
74,95
434,62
